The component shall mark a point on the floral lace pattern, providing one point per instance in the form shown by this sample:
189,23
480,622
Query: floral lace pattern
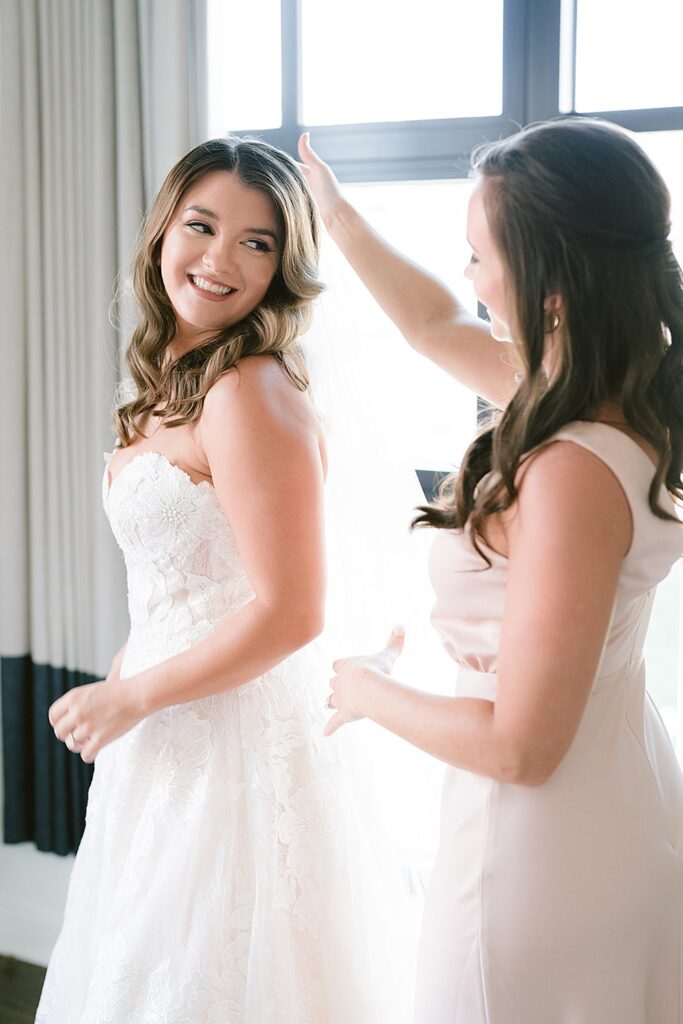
215,880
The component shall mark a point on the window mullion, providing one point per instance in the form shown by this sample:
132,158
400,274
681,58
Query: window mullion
290,22
515,59
542,93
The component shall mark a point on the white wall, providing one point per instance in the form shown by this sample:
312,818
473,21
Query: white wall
32,896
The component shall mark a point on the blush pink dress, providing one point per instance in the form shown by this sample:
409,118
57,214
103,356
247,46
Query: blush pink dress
562,903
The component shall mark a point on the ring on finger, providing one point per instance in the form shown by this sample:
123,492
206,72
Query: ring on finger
70,743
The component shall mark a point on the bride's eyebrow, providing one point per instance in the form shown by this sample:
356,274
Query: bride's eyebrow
203,211
262,231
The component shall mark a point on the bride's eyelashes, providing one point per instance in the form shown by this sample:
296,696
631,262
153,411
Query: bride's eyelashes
259,245
199,226
256,244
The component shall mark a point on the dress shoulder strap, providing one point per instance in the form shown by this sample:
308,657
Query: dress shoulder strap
634,470
624,456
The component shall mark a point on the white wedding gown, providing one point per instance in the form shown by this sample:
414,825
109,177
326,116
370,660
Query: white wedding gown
220,876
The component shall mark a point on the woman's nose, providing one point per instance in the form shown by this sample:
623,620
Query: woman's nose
220,259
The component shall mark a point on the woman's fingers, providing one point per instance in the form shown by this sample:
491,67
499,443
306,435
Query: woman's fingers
89,751
65,727
306,151
394,647
335,723
58,710
66,724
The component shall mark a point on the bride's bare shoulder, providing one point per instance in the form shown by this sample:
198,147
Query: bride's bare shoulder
257,386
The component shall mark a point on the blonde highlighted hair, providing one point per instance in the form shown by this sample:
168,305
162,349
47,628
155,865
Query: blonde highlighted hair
175,390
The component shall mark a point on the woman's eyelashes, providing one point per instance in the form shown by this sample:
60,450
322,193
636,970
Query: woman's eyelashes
473,260
199,226
255,244
259,245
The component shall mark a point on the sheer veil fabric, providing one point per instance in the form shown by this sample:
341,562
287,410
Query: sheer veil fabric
377,578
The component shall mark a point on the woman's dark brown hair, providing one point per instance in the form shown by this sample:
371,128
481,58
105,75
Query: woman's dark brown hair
176,390
576,208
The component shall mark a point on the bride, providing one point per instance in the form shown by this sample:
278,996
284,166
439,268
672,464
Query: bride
215,880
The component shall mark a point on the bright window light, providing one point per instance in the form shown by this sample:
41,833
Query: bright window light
628,54
392,61
243,66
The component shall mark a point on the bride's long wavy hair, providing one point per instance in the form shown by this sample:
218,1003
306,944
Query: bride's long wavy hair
175,390
576,208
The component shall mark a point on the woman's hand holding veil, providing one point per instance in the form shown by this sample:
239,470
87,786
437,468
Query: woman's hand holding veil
355,683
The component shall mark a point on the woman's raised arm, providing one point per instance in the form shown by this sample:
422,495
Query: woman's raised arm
425,310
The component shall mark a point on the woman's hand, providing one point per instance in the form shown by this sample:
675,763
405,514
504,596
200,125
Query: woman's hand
89,717
321,179
352,687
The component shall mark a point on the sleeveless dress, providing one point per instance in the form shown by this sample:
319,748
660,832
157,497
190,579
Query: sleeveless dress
561,903
219,879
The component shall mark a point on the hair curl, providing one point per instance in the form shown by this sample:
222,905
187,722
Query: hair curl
175,390
576,208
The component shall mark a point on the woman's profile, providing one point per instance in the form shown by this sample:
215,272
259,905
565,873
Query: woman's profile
556,893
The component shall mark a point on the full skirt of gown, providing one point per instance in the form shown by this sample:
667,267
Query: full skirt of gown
222,877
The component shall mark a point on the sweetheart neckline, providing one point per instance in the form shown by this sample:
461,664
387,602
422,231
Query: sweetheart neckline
160,455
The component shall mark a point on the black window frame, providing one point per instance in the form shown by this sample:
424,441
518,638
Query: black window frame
440,149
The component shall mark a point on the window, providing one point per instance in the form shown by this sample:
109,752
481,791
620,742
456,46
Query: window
244,70
409,107
624,58
399,67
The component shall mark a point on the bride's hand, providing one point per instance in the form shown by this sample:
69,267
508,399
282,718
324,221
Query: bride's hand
321,179
89,717
352,686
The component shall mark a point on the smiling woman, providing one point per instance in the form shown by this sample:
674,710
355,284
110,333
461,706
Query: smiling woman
221,220
220,871
215,266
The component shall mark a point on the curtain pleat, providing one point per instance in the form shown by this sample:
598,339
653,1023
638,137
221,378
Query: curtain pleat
85,129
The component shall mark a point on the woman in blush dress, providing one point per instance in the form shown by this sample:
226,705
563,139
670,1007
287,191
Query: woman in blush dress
217,880
557,894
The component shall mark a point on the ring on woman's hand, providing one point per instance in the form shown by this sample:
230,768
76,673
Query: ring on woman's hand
70,743
328,702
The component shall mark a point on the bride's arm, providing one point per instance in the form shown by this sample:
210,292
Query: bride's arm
430,317
260,439
257,431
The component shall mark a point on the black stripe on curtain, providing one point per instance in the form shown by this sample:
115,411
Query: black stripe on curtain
46,786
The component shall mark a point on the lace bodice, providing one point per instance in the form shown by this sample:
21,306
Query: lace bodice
184,571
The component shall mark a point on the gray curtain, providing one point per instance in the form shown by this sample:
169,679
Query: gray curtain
96,103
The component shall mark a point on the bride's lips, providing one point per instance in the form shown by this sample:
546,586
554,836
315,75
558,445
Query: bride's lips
211,296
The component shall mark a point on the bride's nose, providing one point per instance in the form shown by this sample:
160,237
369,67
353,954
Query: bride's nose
219,259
